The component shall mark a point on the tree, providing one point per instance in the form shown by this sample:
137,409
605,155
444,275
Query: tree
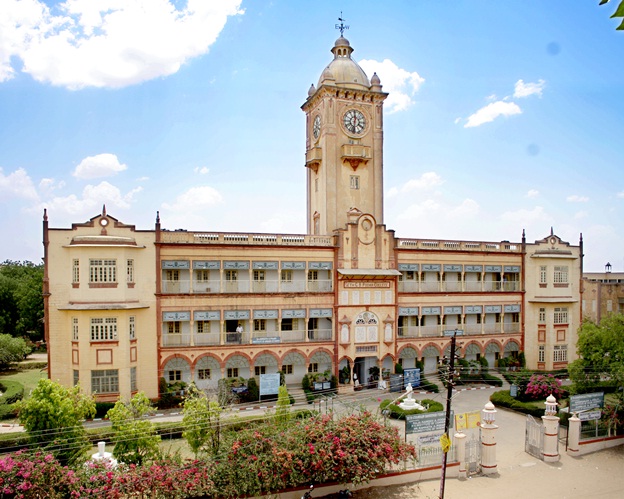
21,299
600,348
282,408
135,438
619,12
12,350
53,416
202,420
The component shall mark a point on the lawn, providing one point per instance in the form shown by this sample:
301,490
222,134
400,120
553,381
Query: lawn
27,377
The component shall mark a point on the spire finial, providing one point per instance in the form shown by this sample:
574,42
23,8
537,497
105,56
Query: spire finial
342,26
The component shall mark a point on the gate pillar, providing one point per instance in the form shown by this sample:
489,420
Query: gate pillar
551,431
574,435
460,453
488,440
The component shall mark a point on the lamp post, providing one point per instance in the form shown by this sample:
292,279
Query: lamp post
608,268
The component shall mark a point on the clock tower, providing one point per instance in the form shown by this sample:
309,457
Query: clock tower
344,144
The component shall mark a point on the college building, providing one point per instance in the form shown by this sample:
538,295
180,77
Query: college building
125,307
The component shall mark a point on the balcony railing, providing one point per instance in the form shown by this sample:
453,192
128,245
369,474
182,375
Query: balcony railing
246,286
176,340
457,286
245,338
474,246
407,332
248,239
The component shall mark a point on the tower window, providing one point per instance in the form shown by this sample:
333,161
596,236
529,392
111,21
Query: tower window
355,182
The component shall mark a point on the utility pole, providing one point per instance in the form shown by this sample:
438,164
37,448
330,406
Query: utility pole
450,383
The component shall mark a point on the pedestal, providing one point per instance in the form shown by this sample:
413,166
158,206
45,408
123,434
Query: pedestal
460,453
488,449
574,435
551,439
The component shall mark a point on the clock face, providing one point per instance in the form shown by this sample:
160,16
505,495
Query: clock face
354,121
316,127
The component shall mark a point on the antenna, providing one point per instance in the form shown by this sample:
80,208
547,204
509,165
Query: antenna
342,27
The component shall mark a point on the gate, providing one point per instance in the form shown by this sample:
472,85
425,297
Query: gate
473,455
534,438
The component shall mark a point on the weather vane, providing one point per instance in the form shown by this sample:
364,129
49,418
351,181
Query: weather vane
342,27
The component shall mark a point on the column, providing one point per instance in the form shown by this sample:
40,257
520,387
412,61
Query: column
488,440
460,453
551,431
574,435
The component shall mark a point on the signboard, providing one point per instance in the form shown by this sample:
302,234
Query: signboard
325,385
586,402
425,423
434,438
453,332
590,415
266,339
411,377
269,384
467,420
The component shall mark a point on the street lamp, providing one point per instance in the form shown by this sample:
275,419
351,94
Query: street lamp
551,405
488,413
608,268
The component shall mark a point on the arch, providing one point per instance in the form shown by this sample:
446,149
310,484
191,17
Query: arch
321,356
512,346
366,327
430,355
493,346
200,360
177,369
239,362
175,356
407,352
265,359
237,354
206,372
295,357
431,350
472,348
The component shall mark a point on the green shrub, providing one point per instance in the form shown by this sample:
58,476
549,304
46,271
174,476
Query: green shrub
101,408
427,385
305,383
13,391
396,412
502,398
253,390
398,368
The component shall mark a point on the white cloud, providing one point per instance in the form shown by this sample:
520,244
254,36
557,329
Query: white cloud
92,198
427,180
620,194
469,208
17,185
492,111
201,170
526,217
108,43
195,198
400,83
533,193
522,89
574,198
47,185
100,165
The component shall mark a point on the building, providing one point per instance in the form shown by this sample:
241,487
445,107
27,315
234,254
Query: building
126,307
603,294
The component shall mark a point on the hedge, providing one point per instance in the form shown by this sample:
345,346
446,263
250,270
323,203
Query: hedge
396,412
502,398
13,391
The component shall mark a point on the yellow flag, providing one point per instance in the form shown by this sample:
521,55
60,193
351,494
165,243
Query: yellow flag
445,442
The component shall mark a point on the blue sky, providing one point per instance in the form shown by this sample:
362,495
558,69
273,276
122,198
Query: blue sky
502,116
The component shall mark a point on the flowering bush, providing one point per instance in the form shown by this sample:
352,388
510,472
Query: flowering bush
258,461
541,386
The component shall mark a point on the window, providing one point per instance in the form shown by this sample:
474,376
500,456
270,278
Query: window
76,377
408,275
259,275
312,275
104,329
231,275
131,328
203,327
543,275
561,274
287,324
560,353
287,275
542,316
102,270
541,354
105,381
76,271
174,375
561,315
260,370
288,369
232,372
133,379
173,327
316,185
259,324
130,270
203,275
172,275
75,329
203,373
313,367
355,181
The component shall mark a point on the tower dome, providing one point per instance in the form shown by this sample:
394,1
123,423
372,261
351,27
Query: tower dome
345,71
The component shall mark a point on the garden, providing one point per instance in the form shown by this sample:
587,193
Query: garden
231,456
